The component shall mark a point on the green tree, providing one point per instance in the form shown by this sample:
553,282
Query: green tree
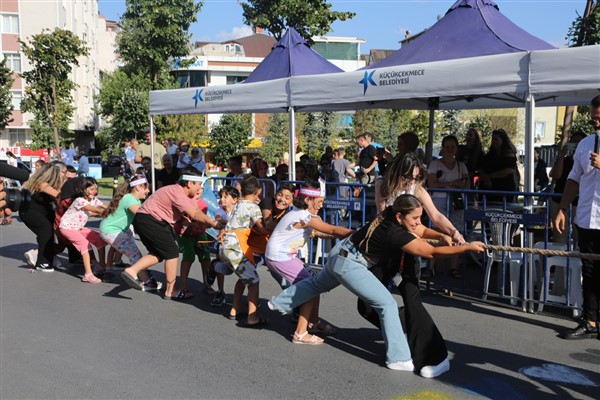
277,139
319,131
230,136
190,127
582,121
308,17
419,124
451,124
384,124
153,32
585,30
484,127
48,94
6,105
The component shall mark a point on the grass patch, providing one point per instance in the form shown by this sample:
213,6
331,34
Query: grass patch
105,186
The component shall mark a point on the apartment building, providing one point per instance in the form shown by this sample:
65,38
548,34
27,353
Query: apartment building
20,19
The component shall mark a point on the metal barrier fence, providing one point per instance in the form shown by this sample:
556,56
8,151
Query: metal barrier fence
522,216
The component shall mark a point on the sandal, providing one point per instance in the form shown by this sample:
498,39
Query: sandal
303,339
322,327
185,294
90,278
6,221
261,323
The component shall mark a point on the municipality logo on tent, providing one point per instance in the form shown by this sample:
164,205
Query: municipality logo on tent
197,97
367,80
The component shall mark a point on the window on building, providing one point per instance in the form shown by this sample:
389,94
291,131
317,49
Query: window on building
17,97
337,51
16,136
191,78
13,61
232,80
540,129
10,23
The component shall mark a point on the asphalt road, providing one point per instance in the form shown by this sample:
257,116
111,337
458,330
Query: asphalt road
64,339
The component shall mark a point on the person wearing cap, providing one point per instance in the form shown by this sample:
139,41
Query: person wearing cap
154,222
289,237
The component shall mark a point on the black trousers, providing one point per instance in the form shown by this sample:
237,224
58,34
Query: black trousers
426,343
41,224
589,242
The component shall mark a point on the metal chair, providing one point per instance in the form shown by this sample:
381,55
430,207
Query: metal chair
500,234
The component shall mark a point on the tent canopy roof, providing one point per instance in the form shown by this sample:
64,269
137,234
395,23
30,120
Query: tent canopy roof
470,28
291,56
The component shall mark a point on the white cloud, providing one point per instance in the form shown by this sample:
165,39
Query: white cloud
235,33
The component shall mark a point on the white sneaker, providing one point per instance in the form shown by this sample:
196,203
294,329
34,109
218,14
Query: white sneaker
431,371
31,257
401,365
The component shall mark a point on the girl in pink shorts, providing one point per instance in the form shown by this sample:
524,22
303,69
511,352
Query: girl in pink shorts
72,227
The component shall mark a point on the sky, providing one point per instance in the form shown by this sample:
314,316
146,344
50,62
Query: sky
382,23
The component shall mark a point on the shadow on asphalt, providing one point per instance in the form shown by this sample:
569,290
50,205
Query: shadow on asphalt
535,379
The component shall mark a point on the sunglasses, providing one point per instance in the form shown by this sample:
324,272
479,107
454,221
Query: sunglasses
414,178
195,151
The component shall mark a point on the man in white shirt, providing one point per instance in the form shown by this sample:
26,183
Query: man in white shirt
67,154
584,179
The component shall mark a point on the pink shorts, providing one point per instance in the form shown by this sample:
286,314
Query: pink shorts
81,239
292,270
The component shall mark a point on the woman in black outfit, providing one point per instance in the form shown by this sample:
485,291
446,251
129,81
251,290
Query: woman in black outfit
44,185
499,167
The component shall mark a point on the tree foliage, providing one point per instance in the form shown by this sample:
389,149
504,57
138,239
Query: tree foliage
153,32
191,127
582,121
384,124
308,17
484,127
6,105
451,124
319,131
585,31
230,136
48,94
277,139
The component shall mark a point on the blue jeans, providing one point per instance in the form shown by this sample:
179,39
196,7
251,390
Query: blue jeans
351,272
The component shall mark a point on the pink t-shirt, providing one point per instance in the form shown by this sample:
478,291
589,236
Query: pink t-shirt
76,217
168,204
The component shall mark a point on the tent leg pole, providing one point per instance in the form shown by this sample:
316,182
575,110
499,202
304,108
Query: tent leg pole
292,160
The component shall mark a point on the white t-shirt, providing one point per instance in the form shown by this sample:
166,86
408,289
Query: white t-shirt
286,241
447,175
588,177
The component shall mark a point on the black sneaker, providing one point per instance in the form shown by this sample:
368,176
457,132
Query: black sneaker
583,331
219,299
45,268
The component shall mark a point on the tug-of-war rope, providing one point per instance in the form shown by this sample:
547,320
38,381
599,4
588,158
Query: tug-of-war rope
544,252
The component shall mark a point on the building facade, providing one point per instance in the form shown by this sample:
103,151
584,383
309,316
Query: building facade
21,19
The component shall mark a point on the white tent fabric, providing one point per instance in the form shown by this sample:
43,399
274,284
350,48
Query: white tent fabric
555,77
267,97
543,78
